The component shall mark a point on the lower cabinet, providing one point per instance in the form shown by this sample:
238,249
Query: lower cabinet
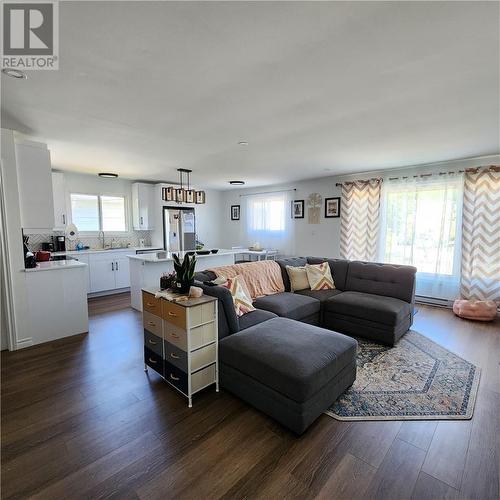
108,271
180,342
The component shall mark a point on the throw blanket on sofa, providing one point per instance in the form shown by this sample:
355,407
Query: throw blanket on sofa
262,278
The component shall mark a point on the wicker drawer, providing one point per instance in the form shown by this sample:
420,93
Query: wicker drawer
153,360
154,343
203,378
151,304
176,377
176,356
174,314
203,357
175,335
152,323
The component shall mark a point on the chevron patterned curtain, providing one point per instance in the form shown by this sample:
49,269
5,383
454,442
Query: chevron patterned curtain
359,219
481,235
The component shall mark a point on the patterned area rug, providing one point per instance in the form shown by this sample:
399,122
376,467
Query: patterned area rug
415,380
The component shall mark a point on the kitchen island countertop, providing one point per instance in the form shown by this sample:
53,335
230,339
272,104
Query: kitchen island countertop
153,257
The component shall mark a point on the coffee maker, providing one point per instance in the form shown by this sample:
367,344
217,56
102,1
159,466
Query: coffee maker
60,243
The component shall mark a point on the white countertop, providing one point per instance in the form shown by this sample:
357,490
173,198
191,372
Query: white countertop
53,265
100,250
152,257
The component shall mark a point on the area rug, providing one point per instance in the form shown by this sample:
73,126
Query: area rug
415,380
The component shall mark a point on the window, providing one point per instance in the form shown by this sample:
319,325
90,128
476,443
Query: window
85,212
420,226
113,213
269,222
95,213
267,214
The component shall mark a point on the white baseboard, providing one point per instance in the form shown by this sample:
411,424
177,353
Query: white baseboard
434,301
21,344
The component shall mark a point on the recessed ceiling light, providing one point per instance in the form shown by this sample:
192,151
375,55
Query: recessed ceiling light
14,73
242,143
108,175
237,183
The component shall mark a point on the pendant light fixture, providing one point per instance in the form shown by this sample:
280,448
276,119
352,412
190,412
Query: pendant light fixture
180,194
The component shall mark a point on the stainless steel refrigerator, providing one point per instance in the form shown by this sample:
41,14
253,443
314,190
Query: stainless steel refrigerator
179,229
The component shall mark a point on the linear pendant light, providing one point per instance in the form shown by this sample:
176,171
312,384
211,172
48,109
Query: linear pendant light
181,195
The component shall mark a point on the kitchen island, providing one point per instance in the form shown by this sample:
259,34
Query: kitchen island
146,269
56,294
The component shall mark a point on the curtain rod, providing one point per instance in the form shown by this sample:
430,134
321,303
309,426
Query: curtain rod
491,168
269,192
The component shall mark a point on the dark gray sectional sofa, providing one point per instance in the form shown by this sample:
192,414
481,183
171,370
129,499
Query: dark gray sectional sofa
374,301
290,357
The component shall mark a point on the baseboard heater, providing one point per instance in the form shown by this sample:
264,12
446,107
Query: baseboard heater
433,301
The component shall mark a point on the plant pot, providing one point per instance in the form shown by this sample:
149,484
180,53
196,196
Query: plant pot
183,286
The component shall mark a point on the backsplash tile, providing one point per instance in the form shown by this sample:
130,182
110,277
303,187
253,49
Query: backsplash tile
36,240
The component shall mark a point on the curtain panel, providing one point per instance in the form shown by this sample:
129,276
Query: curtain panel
268,221
481,236
420,225
359,220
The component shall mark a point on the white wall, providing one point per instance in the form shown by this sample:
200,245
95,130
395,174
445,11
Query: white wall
22,331
323,240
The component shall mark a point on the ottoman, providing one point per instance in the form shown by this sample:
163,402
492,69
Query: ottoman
289,370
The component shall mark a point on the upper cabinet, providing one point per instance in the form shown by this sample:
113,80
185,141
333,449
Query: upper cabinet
58,188
34,177
142,206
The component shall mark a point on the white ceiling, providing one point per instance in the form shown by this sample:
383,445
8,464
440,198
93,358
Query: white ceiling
316,88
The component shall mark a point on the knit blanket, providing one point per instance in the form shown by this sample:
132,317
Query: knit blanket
261,278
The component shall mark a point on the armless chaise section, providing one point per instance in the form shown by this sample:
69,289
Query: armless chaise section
290,370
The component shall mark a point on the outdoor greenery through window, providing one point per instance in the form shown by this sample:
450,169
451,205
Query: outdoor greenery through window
98,213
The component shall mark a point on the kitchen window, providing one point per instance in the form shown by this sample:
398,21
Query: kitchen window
91,212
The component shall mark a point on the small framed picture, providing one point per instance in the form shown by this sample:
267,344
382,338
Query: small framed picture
332,207
235,212
297,209
189,195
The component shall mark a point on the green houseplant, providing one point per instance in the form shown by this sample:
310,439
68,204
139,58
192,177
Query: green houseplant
184,272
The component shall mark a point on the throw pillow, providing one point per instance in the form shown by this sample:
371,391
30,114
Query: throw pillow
241,300
298,278
319,276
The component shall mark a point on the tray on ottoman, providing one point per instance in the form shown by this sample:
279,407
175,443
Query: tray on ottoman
290,370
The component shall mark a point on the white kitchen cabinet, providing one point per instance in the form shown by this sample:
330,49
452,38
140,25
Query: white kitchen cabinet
122,271
142,206
108,271
35,187
59,192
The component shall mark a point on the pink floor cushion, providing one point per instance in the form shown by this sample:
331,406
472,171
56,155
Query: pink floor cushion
480,310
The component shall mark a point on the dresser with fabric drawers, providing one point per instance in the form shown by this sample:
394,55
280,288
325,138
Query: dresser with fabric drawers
180,341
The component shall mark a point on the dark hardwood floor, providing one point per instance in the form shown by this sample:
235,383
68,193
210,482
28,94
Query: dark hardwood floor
81,419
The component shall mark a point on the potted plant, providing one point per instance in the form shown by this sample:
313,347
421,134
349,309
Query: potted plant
184,272
167,280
